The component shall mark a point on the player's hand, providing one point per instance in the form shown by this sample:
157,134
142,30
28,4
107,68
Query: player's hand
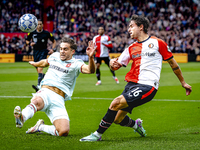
50,51
32,63
188,88
32,43
91,49
114,63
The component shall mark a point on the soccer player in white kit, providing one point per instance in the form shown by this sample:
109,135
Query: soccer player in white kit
56,87
143,78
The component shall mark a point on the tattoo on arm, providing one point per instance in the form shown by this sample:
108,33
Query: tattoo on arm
175,68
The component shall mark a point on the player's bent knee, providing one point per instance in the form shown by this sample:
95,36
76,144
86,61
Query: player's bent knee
63,132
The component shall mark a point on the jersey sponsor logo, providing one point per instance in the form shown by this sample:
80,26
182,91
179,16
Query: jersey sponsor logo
144,54
58,68
135,92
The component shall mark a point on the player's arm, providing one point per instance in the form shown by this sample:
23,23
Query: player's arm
42,63
109,45
90,68
122,60
51,37
53,47
28,40
176,69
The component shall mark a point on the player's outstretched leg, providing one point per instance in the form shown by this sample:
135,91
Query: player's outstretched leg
139,128
19,120
35,128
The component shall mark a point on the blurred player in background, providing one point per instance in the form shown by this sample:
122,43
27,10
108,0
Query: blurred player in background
57,86
38,39
143,78
103,44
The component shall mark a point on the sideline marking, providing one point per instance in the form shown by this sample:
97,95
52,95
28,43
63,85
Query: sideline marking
167,100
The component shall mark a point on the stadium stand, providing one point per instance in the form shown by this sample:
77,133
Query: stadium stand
175,21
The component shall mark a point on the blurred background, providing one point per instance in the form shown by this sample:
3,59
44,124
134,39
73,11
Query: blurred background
175,21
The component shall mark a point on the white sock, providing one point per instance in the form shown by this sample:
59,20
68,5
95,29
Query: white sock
29,111
50,129
97,134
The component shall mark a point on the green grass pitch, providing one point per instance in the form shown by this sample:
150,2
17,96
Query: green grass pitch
171,119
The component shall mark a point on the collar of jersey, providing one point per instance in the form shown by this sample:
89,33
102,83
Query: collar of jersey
71,60
144,40
39,32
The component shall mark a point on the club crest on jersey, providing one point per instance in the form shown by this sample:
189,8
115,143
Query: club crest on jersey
150,45
68,65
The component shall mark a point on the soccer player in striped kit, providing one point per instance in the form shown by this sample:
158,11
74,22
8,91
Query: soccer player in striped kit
143,78
103,43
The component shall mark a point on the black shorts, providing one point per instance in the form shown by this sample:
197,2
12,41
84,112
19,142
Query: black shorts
39,55
137,94
105,59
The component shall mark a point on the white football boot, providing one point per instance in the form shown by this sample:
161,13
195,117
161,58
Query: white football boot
19,121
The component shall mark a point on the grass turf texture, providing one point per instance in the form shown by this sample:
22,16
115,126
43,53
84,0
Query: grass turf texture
171,119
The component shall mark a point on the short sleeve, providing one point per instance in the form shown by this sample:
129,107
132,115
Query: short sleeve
53,57
51,37
29,36
109,41
124,58
164,50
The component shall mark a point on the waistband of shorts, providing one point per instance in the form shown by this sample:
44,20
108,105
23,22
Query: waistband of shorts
54,89
155,84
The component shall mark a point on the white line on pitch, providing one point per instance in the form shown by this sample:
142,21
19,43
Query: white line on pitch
170,100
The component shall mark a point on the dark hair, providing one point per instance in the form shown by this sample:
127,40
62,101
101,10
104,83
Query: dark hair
72,43
39,20
140,20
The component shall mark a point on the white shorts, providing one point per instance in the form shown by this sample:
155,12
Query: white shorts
54,105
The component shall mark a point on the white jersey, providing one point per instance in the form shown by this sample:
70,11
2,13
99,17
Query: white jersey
147,59
102,49
62,74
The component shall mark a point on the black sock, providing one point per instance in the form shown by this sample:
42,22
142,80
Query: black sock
98,74
40,77
127,121
107,121
113,73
